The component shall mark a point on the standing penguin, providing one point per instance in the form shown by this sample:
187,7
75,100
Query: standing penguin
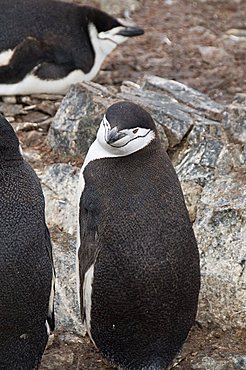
26,268
139,275
47,45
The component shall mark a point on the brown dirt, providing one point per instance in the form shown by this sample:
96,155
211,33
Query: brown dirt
188,25
201,342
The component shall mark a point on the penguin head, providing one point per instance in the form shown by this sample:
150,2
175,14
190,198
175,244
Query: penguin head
125,129
9,144
107,32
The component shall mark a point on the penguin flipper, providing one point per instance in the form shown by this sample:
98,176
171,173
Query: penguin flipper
50,314
52,71
89,247
27,55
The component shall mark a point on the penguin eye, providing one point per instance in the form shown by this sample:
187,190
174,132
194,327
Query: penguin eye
135,130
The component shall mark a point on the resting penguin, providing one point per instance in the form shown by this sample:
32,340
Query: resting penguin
138,261
26,269
46,45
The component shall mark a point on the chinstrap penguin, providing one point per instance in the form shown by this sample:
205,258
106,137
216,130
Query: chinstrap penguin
26,267
47,45
137,257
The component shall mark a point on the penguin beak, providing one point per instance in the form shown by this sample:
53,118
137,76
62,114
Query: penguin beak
131,31
114,135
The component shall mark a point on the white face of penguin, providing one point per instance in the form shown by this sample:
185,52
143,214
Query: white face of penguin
113,35
108,40
124,142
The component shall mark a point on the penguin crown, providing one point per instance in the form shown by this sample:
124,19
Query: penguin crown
9,144
125,129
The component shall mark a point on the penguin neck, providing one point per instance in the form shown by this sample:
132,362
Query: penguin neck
100,48
97,151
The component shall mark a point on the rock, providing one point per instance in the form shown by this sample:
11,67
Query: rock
208,363
197,160
232,158
220,229
69,338
202,34
184,94
42,97
229,361
48,107
231,42
59,183
116,7
66,303
235,120
192,193
236,32
215,55
34,138
175,107
9,99
31,156
10,109
25,126
45,125
30,126
169,2
234,38
240,362
10,119
75,124
35,116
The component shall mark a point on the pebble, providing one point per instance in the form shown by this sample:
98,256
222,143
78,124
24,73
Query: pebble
240,362
214,55
9,99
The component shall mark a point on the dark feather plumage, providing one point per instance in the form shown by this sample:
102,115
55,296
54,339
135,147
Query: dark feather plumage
26,267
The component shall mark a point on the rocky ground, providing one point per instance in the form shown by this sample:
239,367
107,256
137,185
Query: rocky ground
205,349
200,43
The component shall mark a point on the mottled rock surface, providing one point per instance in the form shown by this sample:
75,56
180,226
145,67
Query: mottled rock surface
228,362
119,7
74,126
220,228
66,302
59,183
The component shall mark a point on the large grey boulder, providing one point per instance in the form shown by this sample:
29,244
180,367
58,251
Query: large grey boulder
59,182
66,300
206,142
196,161
220,228
235,120
75,123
